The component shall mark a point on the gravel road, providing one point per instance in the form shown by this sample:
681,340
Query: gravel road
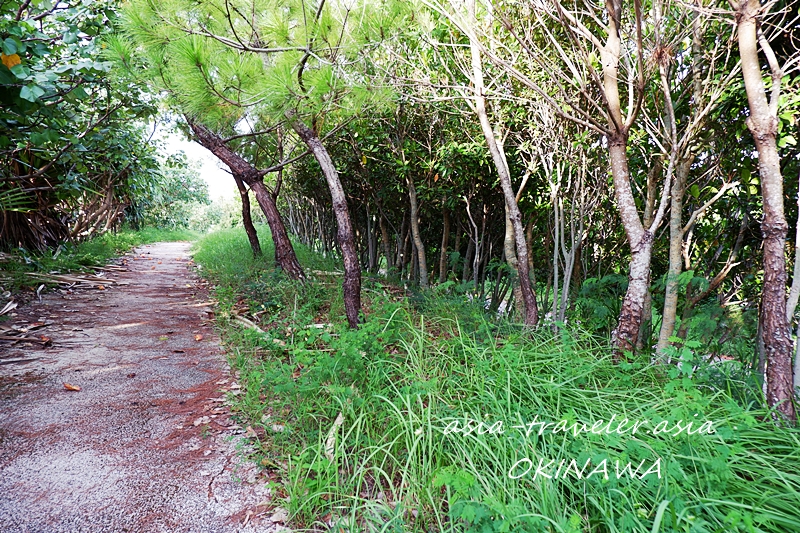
147,444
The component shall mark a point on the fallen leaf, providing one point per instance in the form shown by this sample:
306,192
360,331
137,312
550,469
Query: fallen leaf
152,268
163,338
250,432
281,515
198,337
70,386
159,262
202,420
100,288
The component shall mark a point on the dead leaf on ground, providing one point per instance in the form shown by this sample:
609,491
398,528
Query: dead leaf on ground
198,337
10,306
70,386
202,420
101,288
280,515
152,268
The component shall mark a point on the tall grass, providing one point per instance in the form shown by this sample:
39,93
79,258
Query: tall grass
412,381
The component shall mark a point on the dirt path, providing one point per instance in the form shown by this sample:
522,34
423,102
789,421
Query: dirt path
146,445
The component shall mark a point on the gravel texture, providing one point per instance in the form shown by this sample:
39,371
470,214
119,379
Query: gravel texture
147,444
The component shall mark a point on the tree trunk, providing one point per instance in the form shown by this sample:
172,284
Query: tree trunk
512,260
445,242
372,244
763,124
639,239
641,243
468,260
387,247
500,163
351,286
284,252
421,263
669,316
247,220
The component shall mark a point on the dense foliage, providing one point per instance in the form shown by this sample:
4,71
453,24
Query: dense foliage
75,156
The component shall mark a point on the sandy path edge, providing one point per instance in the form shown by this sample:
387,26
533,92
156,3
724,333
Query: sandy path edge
147,445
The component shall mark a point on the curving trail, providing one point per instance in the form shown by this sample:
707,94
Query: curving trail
145,445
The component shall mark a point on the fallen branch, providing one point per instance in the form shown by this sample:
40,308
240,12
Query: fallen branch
246,322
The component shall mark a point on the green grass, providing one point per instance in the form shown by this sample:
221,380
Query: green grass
417,370
79,257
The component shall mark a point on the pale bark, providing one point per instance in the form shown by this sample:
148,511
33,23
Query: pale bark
639,238
422,263
499,159
511,258
763,124
676,233
641,243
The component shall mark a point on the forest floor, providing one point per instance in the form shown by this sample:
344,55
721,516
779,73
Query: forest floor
147,444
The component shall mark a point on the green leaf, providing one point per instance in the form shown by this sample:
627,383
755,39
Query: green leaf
10,46
38,139
27,94
694,190
79,92
71,36
20,71
51,135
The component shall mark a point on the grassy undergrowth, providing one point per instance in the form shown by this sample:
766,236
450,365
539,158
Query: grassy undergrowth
431,417
79,257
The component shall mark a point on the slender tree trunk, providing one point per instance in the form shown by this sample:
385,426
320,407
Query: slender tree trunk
468,260
500,163
512,260
669,317
763,124
247,220
421,263
351,286
445,242
284,252
402,237
387,246
372,244
457,242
